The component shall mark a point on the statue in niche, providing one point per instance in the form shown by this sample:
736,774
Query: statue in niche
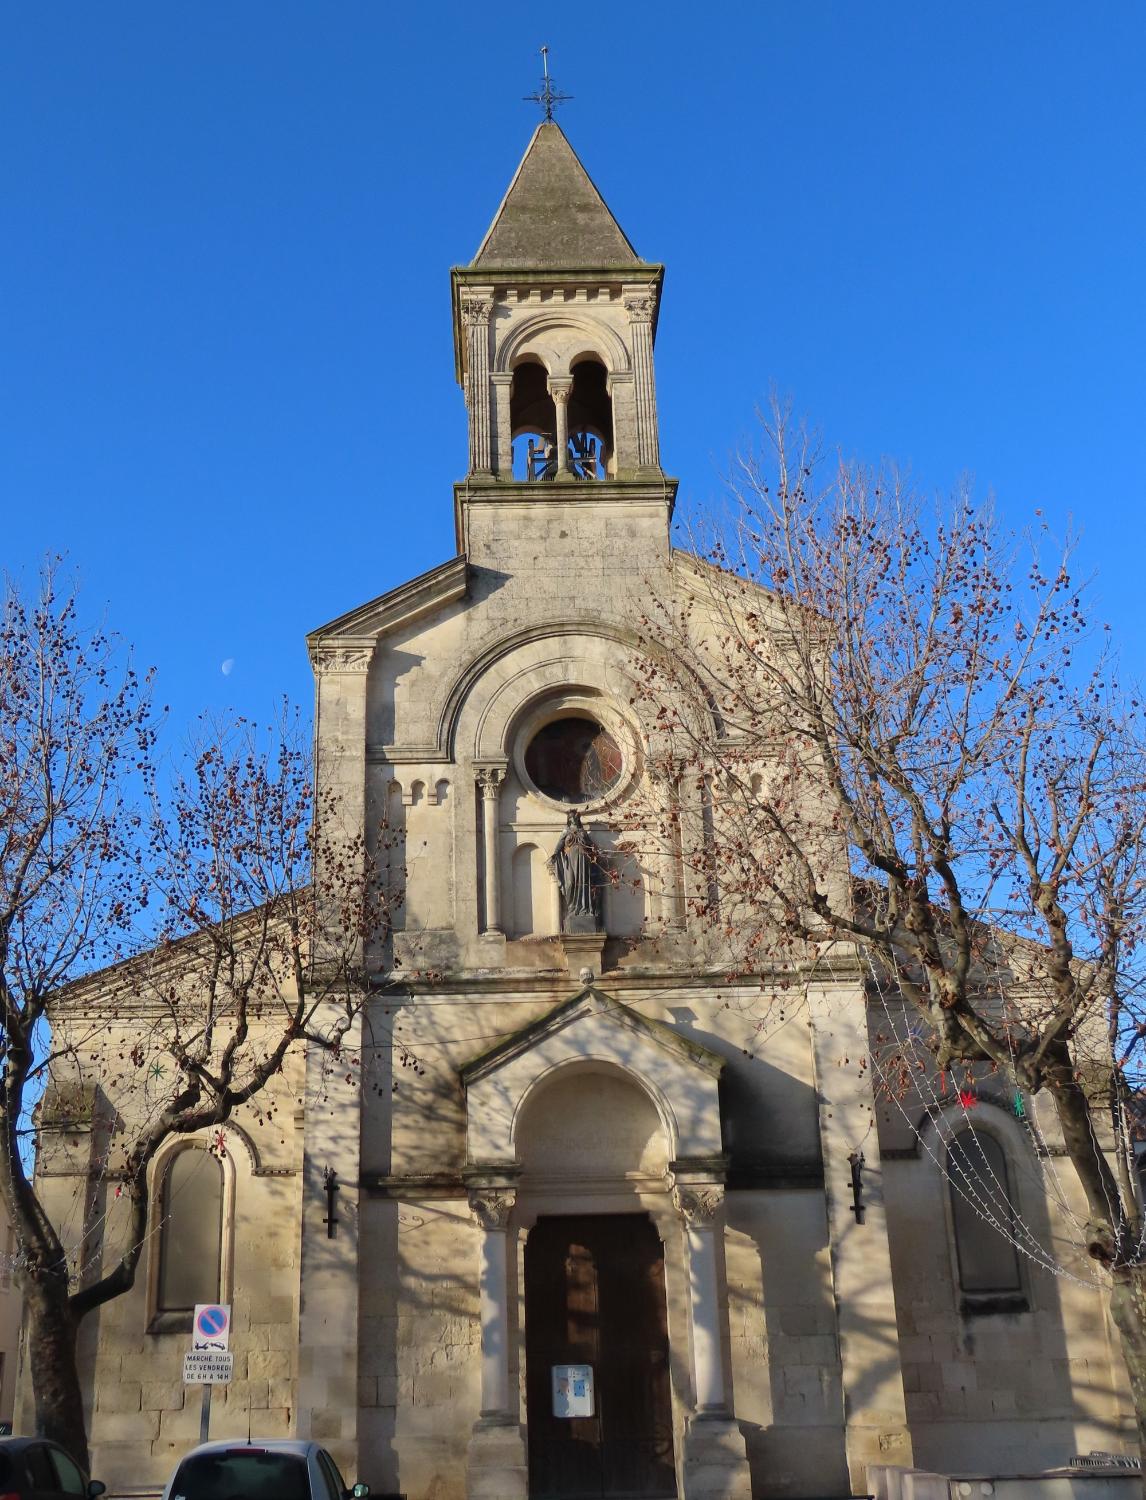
578,867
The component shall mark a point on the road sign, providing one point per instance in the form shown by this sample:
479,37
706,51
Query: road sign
211,1326
207,1367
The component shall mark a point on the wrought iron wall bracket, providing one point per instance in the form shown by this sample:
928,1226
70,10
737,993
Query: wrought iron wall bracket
856,1161
330,1187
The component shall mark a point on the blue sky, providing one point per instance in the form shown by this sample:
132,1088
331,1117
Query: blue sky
226,379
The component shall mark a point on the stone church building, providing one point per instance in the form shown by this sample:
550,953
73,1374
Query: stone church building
595,1233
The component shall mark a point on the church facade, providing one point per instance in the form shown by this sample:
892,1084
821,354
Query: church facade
597,1230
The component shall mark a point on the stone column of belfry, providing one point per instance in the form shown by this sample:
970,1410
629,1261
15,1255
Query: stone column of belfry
715,1456
476,312
640,309
489,780
559,389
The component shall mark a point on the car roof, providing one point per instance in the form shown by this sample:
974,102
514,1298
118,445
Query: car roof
299,1446
25,1441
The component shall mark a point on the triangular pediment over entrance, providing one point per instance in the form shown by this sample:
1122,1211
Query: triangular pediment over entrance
593,1031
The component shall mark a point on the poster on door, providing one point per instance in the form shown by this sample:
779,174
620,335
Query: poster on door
572,1390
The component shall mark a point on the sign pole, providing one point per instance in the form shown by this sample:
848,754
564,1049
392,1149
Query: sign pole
209,1361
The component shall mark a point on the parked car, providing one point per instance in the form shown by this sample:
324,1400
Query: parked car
32,1468
279,1469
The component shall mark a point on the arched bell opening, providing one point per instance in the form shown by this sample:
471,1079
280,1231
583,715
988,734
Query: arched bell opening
532,422
590,421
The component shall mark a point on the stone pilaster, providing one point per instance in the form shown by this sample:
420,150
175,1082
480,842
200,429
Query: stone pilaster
328,1276
496,1462
476,313
875,1414
715,1456
640,308
341,670
503,429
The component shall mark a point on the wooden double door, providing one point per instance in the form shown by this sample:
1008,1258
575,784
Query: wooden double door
595,1295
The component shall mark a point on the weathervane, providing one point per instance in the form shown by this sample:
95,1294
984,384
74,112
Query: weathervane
547,95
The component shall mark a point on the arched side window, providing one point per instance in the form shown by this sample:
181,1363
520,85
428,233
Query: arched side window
980,1186
189,1238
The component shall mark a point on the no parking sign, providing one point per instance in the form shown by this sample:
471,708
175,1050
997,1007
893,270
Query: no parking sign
211,1326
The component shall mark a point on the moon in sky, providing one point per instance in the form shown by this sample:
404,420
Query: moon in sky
228,666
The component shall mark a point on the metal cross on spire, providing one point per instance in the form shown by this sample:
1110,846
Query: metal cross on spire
547,96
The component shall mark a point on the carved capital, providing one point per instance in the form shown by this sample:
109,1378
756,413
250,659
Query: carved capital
491,1207
476,311
489,779
354,659
559,389
699,1205
640,309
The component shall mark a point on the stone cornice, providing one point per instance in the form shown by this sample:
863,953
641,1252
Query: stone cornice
629,986
422,595
499,280
642,489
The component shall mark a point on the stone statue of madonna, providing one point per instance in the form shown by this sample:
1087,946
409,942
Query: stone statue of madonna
576,864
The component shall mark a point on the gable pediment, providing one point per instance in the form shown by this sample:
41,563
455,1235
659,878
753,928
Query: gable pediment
593,1030
410,601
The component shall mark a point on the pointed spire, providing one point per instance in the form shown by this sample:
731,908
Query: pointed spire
553,217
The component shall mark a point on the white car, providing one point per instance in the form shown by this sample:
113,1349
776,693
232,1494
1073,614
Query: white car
279,1469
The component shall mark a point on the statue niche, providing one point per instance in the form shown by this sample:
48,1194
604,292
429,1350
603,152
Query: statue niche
578,866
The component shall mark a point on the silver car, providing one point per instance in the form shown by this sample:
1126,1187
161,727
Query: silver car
279,1469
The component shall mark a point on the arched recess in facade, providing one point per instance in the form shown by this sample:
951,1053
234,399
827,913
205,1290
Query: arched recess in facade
481,728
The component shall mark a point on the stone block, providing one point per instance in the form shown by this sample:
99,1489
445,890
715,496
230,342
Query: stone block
922,1406
128,1426
165,1395
182,1425
126,1396
276,1422
268,1364
959,1377
326,1425
280,1393
496,1466
715,1461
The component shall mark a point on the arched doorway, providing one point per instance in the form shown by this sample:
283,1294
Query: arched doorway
599,1415
595,1307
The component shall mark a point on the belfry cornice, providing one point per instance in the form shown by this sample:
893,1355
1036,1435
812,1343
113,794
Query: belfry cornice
467,282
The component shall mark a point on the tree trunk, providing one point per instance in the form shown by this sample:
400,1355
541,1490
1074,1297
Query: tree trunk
1128,1309
52,1332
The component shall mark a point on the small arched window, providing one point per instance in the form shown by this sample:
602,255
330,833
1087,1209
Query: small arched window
190,1231
980,1193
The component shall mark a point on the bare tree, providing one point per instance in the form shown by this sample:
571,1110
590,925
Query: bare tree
163,945
886,728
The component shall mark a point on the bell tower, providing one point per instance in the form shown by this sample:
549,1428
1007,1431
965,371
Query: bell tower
554,323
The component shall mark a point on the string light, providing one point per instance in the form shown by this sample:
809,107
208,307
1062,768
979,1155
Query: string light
1040,1256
